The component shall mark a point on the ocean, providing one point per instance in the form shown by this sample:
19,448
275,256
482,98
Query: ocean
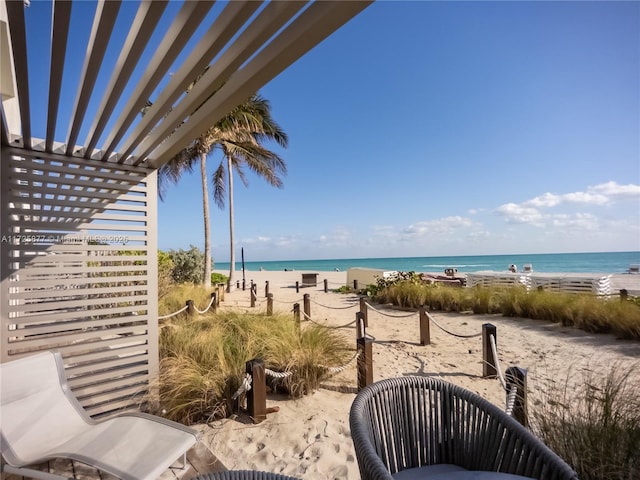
604,262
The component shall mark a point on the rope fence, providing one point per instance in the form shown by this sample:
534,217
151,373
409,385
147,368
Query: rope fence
192,308
513,381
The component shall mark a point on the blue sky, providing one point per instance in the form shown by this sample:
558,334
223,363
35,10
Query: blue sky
446,128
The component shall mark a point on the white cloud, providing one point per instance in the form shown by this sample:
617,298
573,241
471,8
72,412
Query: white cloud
440,226
613,189
536,210
601,194
515,213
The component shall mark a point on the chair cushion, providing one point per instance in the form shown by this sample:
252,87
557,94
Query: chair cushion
451,472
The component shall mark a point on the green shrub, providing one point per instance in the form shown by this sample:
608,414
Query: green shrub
188,265
594,426
217,278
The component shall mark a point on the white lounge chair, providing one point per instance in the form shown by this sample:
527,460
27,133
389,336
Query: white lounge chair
42,420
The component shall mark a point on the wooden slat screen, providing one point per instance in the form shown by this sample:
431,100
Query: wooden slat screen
79,272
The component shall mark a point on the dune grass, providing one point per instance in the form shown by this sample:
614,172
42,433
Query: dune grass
587,312
594,425
177,297
202,360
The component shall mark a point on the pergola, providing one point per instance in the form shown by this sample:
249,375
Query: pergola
78,212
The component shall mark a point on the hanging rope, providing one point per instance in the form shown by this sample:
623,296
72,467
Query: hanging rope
273,374
511,400
334,308
174,313
386,314
335,370
449,332
494,349
307,317
245,386
206,309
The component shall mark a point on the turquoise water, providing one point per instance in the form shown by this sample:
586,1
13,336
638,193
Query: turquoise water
605,262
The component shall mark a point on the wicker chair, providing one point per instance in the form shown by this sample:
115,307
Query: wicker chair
243,475
421,427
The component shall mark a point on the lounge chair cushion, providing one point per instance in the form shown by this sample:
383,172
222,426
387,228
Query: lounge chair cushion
42,420
451,472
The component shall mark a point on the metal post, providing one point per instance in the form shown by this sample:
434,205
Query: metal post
488,360
257,396
425,333
365,357
516,376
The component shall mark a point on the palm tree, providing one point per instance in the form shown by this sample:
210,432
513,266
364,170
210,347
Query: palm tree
242,134
172,171
239,135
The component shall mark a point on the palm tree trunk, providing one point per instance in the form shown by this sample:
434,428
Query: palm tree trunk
232,252
207,228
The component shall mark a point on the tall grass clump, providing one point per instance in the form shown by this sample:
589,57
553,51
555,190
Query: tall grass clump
178,295
587,312
594,426
202,360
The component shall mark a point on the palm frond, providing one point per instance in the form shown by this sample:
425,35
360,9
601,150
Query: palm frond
219,185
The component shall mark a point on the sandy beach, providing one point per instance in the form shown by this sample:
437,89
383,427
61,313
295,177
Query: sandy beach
309,437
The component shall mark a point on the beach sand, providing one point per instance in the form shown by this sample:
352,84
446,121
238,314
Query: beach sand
309,437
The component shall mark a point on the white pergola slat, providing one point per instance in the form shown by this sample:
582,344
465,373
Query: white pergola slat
271,35
78,269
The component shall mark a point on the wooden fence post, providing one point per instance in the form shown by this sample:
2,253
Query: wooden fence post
355,285
244,285
221,290
516,376
306,298
624,294
365,358
266,288
326,285
238,284
190,308
297,286
365,351
270,304
257,396
214,302
296,314
488,360
363,311
425,332
253,296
